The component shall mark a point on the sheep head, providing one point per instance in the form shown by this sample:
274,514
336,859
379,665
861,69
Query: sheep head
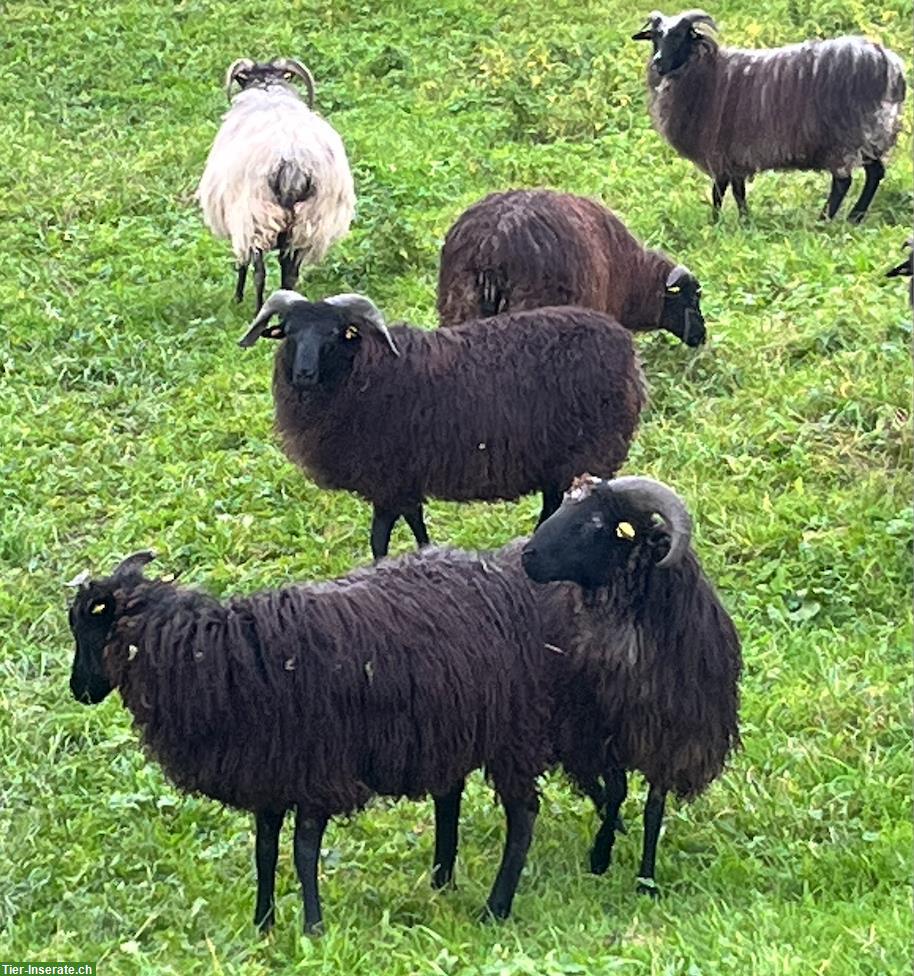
598,525
675,38
249,74
681,313
322,336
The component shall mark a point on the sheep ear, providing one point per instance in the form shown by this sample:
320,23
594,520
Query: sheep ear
649,29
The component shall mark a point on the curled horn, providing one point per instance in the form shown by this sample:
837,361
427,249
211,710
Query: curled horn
676,275
79,580
693,17
650,26
297,68
277,304
134,563
651,497
366,313
241,64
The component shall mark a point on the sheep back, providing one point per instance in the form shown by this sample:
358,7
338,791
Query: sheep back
398,680
492,409
276,168
536,248
821,105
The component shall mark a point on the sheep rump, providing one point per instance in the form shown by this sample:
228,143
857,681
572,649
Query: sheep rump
276,177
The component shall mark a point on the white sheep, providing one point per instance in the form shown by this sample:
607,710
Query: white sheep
277,176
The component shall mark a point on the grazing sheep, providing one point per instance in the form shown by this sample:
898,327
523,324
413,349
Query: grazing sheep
822,105
524,249
905,269
277,177
492,409
397,680
648,677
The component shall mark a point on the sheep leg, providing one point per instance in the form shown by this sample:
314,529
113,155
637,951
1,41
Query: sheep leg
739,195
266,851
447,817
520,816
290,265
874,173
718,192
260,278
416,521
242,270
839,187
307,852
616,790
552,498
653,818
382,524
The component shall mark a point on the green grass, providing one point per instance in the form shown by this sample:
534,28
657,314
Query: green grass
131,419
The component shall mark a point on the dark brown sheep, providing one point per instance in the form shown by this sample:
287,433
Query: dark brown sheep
524,249
829,105
490,410
649,675
396,680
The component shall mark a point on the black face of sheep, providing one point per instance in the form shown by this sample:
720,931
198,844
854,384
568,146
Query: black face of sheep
322,337
673,42
597,526
252,74
91,615
682,307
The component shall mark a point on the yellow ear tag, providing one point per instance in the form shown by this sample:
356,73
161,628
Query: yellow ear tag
98,608
351,331
624,530
674,290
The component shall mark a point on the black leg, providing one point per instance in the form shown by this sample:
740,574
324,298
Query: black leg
653,818
839,187
552,498
874,172
242,270
266,850
416,521
260,278
520,815
739,195
382,524
290,265
718,192
447,818
308,834
616,789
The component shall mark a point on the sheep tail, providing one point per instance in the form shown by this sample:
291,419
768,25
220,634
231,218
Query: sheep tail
492,297
290,184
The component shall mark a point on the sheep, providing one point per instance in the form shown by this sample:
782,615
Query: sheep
277,177
397,680
648,678
492,409
905,269
522,249
829,105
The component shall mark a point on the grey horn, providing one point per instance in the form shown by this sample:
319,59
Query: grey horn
299,70
694,17
80,579
676,275
277,304
241,64
365,312
134,563
651,497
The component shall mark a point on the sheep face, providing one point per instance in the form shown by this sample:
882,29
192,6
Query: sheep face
674,39
681,313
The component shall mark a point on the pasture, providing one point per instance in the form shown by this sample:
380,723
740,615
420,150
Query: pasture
131,419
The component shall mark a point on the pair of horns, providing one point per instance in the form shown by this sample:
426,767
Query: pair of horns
645,496
280,65
132,564
361,310
690,17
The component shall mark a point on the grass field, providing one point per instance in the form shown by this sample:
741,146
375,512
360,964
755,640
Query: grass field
131,419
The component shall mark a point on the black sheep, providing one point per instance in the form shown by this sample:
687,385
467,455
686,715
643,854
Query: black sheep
396,680
490,410
524,249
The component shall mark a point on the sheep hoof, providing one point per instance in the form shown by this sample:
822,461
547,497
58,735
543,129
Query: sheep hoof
599,862
494,913
649,887
854,217
314,929
442,879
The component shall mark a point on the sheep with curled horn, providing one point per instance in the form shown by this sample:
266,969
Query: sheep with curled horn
832,105
523,249
648,674
396,680
491,409
277,176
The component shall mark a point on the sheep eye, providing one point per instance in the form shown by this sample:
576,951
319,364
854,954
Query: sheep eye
624,530
98,608
351,331
597,521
